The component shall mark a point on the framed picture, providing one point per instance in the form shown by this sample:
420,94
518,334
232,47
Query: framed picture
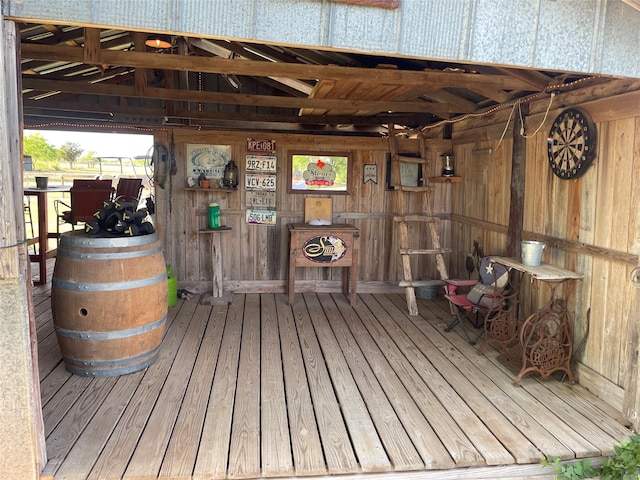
209,160
410,173
319,172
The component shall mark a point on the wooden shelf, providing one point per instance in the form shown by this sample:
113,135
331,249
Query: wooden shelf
198,189
445,179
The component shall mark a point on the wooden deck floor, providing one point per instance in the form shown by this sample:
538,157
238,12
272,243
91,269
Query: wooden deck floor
259,389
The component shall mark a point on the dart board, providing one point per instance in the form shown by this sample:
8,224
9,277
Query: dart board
571,144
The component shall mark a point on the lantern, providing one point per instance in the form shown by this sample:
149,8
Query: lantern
230,177
447,164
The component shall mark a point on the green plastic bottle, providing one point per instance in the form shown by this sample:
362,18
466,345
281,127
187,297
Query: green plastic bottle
214,215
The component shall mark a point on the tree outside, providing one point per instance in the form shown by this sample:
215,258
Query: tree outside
70,152
44,155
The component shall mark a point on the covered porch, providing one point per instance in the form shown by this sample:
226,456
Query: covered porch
257,388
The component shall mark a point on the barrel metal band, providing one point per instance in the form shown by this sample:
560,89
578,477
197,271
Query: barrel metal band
109,287
85,367
113,335
108,256
108,242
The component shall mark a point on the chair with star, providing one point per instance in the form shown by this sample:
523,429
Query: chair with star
487,300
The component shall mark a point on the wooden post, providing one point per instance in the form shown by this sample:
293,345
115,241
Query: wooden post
516,208
21,430
631,399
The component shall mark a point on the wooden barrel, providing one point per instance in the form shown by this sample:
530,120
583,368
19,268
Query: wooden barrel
109,302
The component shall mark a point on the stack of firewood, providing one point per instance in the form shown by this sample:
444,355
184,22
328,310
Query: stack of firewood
120,218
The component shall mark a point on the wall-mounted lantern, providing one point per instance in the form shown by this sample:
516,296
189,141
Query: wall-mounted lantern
230,177
447,164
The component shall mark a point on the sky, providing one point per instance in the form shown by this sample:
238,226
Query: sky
103,144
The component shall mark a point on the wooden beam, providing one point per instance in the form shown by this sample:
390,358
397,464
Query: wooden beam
45,85
55,53
47,106
474,222
582,248
516,204
22,433
243,54
92,46
140,75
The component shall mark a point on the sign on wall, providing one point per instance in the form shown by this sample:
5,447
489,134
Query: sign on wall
209,160
370,173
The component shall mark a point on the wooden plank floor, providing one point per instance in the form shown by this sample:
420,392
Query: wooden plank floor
258,389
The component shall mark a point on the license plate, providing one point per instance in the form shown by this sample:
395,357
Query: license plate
260,163
254,181
261,217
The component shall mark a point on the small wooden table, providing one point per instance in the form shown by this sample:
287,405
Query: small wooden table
44,251
216,265
333,245
545,342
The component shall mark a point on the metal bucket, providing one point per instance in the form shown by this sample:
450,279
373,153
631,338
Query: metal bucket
109,302
428,292
532,253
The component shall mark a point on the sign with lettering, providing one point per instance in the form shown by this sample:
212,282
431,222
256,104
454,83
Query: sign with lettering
253,181
261,217
324,249
261,145
370,173
209,160
261,163
319,174
260,198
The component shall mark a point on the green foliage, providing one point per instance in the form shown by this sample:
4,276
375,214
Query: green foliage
573,471
623,465
44,155
70,152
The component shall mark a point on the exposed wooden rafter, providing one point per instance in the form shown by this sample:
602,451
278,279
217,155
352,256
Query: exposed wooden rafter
204,82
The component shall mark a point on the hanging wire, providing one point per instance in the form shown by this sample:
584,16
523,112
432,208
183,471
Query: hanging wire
550,89
546,113
506,127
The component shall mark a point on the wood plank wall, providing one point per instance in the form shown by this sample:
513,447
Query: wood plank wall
255,257
591,225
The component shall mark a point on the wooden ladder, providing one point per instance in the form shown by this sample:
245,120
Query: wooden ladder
402,219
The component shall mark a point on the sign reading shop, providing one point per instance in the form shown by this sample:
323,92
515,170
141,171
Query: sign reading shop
324,249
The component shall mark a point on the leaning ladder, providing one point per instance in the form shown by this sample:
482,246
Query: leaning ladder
402,219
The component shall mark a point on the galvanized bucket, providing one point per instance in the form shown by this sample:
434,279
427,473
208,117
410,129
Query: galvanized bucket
532,252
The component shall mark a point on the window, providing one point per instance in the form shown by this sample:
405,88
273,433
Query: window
319,172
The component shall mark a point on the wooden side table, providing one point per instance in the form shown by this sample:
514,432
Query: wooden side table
216,265
333,245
